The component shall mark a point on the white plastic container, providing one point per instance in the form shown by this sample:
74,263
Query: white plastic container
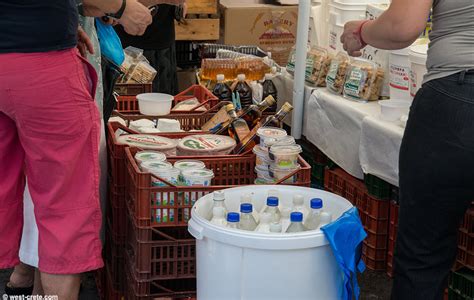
270,133
392,110
142,156
235,264
262,157
168,125
154,104
195,177
286,157
145,123
341,12
417,56
399,74
263,172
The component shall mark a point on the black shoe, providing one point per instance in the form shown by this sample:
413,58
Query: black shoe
12,291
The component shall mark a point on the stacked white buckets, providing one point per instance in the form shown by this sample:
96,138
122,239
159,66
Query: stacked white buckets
235,264
342,11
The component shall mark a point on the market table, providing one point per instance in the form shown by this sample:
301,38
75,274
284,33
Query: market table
380,147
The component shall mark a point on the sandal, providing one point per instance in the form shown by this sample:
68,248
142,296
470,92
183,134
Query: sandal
13,291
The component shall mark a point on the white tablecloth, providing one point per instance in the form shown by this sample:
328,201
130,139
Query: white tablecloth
350,133
380,147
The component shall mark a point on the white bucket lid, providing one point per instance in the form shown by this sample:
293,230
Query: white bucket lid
419,54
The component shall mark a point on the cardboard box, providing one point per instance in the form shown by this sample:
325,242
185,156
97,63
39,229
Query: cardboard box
270,27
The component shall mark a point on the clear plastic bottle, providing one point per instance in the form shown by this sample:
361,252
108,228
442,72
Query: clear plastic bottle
269,89
218,216
285,218
296,222
299,205
247,221
244,91
221,89
247,198
272,209
233,220
326,218
264,225
218,197
275,227
313,221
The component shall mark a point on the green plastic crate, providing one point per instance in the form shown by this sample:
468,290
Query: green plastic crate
377,187
461,282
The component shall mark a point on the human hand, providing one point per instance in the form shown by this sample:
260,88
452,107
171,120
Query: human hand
135,18
84,43
109,21
351,40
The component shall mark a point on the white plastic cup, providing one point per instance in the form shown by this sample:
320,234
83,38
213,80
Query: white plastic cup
270,133
392,110
286,157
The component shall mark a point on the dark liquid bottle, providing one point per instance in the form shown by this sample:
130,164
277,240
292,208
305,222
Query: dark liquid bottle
244,91
269,89
222,90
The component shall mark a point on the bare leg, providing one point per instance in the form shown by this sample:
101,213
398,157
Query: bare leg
38,286
22,276
66,287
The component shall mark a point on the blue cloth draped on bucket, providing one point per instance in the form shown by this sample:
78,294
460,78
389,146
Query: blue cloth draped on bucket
345,235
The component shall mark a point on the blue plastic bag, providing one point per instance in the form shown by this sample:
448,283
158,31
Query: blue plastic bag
110,44
345,235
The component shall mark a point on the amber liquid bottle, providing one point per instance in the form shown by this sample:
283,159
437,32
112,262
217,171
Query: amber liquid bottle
238,128
253,114
244,91
272,121
222,90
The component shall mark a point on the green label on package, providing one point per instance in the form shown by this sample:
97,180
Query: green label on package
355,82
332,74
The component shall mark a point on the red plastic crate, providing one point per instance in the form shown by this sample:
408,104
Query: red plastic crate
230,170
393,225
378,209
128,103
374,253
377,226
356,192
132,89
114,262
374,265
110,292
152,289
376,240
164,253
389,270
116,213
468,221
334,181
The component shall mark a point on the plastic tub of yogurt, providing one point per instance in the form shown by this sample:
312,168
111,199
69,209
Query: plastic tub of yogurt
280,173
146,155
189,164
263,181
137,124
270,133
263,172
196,177
206,144
152,166
262,158
286,156
164,199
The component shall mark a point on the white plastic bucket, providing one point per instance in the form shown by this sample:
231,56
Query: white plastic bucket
234,264
400,74
417,56
340,13
154,104
334,37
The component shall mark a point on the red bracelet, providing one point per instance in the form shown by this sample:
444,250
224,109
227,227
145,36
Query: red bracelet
358,32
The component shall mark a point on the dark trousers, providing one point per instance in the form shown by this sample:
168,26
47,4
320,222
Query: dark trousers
164,61
436,185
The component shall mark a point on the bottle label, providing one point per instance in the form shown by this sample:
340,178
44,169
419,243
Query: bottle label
355,82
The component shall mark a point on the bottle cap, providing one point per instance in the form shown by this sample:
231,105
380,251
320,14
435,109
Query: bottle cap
274,70
270,100
246,208
229,107
220,77
298,200
218,212
233,217
287,107
275,227
241,77
296,217
272,201
268,76
218,196
316,203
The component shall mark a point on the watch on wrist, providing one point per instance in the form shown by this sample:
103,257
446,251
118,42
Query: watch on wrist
119,13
